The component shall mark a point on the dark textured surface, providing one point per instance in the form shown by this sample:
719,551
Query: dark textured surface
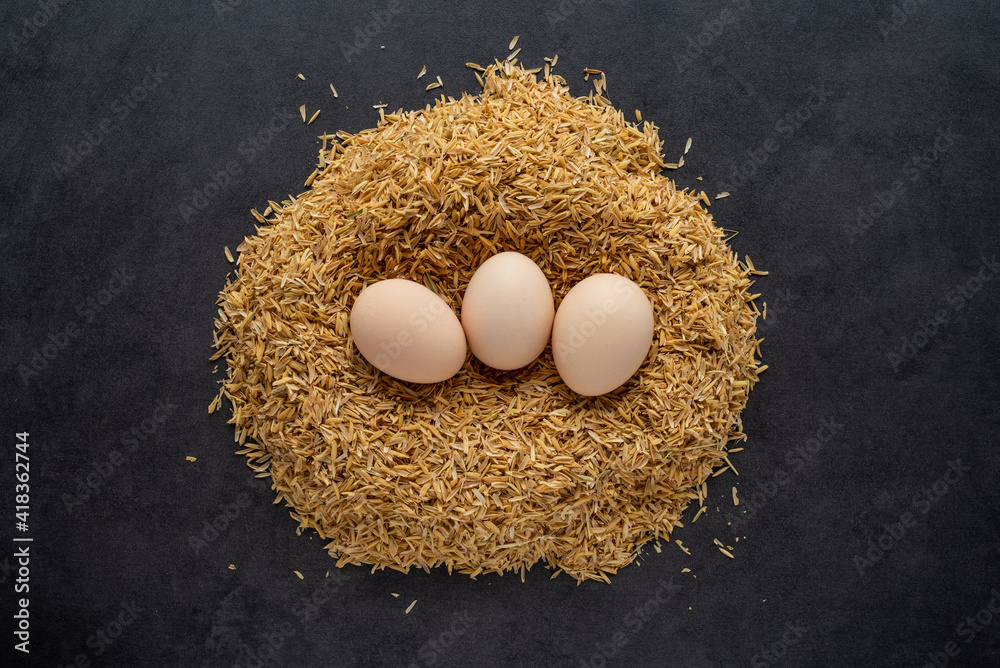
882,372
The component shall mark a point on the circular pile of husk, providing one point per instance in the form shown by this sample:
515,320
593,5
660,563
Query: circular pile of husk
489,471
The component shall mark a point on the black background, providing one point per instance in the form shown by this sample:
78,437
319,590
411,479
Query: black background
803,113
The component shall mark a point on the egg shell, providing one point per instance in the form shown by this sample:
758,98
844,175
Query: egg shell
602,333
408,332
507,311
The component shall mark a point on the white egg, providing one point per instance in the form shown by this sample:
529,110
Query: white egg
602,333
408,332
507,311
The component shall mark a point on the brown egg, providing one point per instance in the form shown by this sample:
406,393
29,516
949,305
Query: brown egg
602,333
408,332
507,311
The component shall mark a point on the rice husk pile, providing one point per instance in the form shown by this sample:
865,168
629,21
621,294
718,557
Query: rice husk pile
490,471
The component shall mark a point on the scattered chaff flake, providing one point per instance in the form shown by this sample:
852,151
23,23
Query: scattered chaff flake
687,147
380,105
395,595
513,42
638,116
721,195
313,117
720,471
685,570
232,567
301,77
736,500
726,458
513,55
432,86
302,110
191,459
726,552
299,574
411,606
423,71
333,90
680,162
656,546
681,545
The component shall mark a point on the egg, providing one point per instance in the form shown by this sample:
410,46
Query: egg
602,333
507,311
408,332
